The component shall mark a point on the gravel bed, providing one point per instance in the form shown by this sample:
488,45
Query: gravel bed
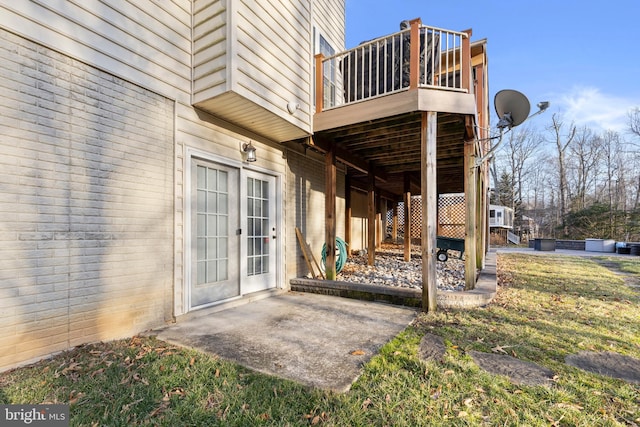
391,270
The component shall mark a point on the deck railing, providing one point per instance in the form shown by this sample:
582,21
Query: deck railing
416,57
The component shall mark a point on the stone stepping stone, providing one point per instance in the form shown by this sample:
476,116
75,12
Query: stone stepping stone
607,363
518,371
432,348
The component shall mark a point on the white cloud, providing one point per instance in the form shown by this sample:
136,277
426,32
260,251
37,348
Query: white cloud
588,106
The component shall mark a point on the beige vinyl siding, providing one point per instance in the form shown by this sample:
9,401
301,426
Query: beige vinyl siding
146,42
86,203
273,53
251,59
210,52
304,207
200,131
329,19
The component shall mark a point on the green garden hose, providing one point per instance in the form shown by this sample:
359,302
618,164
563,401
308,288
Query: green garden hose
341,258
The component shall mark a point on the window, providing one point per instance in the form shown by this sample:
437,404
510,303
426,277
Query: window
322,46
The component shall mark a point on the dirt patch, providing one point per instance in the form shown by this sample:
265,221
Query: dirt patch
518,371
607,363
630,279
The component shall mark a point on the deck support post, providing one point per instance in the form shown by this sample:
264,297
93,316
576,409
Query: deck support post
371,220
407,217
429,193
379,224
470,220
347,211
330,213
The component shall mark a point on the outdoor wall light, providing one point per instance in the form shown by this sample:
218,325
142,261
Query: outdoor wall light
250,151
292,107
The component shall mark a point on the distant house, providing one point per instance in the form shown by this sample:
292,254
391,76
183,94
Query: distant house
500,217
127,198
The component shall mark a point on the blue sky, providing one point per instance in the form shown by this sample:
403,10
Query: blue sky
582,56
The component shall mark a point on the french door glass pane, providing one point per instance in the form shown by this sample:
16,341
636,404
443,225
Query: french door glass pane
212,229
257,226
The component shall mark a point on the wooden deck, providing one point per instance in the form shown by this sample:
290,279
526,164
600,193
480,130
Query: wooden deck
384,133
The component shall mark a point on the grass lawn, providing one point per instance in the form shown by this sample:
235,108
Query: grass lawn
547,307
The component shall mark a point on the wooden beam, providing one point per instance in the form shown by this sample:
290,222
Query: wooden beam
330,215
319,83
480,218
378,220
344,156
470,219
414,49
407,217
429,210
371,219
466,61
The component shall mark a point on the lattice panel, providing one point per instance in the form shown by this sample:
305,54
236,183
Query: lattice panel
451,214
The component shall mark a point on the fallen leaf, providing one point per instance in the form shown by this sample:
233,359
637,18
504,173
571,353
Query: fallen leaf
468,402
366,403
462,414
315,420
126,407
480,390
449,372
436,394
74,397
357,353
217,374
569,406
159,409
192,361
97,372
500,348
176,391
265,416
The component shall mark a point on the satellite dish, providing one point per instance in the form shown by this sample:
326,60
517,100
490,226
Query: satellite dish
512,108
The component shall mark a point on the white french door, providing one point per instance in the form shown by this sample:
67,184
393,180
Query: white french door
259,232
233,232
214,243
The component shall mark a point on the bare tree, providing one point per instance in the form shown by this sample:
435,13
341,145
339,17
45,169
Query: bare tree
634,121
613,163
562,141
584,157
634,127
